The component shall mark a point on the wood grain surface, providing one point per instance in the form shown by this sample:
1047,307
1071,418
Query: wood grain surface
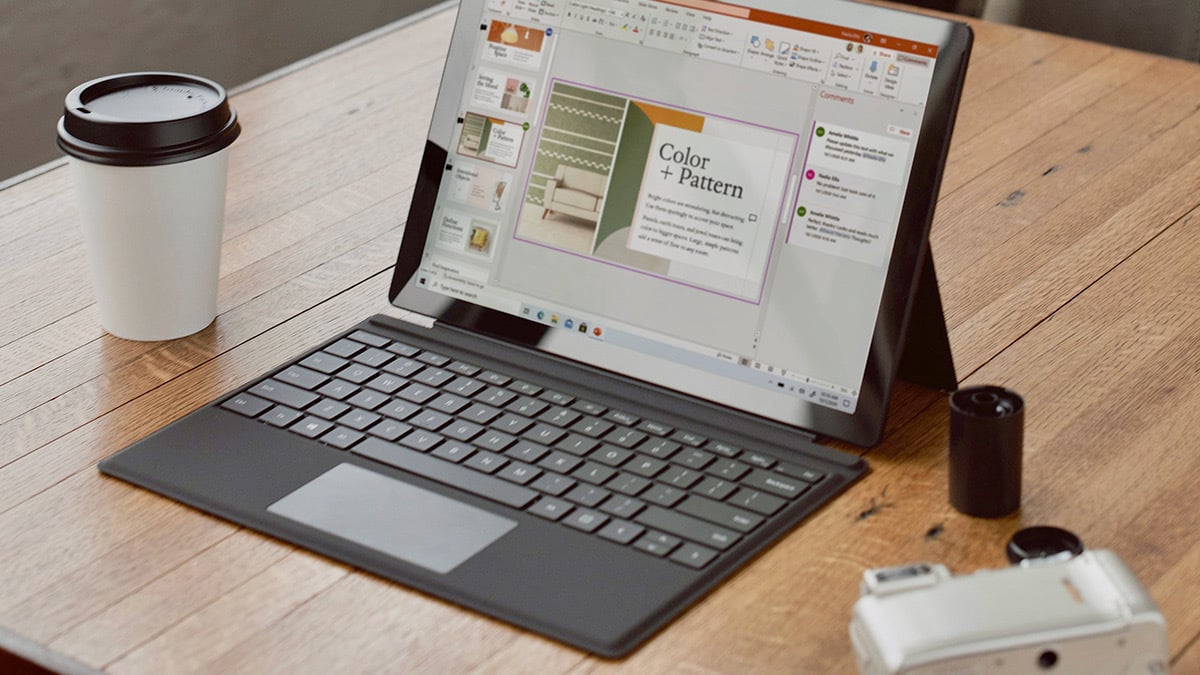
1067,238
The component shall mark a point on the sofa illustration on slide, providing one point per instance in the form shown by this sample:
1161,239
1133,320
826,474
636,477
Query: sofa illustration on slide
575,192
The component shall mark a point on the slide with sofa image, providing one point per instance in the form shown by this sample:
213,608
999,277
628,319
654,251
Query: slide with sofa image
688,197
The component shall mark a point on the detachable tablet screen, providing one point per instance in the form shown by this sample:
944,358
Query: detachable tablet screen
726,200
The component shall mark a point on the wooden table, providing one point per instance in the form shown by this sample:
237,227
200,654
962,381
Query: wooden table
1067,243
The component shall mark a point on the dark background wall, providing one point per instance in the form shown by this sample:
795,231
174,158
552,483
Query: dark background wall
49,46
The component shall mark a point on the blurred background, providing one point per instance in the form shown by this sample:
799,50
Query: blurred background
49,46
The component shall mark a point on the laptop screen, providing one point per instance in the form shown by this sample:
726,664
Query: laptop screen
698,194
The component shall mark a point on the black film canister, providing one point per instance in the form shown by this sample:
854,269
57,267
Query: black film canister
986,434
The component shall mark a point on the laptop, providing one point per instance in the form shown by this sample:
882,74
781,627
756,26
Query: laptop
658,252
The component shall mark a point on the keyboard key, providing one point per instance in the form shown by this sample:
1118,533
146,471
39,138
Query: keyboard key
311,427
715,488
488,487
301,377
403,349
284,394
525,451
281,416
553,484
495,441
494,378
358,419
495,396
729,469
592,426
690,528
462,430
557,397
529,407
463,368
680,477
689,438
594,473
585,520
519,473
434,377
577,445
344,348
626,438
420,439
386,382
610,455
656,428
559,416
628,484
337,389
621,531
757,501
775,483
246,404
758,459
723,449
465,386
341,437
660,448
513,424
623,507
329,409
453,451
693,556
479,413
487,462
560,462
430,419
694,459
550,508
389,430
405,368
325,363
373,357
622,418
651,546
433,358
357,373
588,495
368,399
721,514
370,338
418,393
802,472
663,494
449,403
589,408
545,434
399,410
526,388
662,539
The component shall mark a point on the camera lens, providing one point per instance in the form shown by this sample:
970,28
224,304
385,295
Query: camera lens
1047,659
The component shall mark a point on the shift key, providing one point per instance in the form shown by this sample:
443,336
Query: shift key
687,527
286,394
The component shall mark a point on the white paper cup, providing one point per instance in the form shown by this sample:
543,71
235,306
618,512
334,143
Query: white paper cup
149,157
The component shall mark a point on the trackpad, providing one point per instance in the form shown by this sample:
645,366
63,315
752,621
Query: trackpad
393,517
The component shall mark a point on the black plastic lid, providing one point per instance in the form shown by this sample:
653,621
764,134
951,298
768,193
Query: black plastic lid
146,119
1043,543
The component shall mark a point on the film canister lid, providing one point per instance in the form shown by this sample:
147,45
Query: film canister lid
986,437
146,119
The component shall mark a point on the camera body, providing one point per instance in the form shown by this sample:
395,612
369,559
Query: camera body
1085,614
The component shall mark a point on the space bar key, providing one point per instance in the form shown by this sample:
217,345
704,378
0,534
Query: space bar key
444,472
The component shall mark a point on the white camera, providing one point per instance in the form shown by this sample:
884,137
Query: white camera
1086,614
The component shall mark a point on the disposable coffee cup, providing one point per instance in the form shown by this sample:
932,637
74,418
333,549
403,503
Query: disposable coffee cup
149,158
